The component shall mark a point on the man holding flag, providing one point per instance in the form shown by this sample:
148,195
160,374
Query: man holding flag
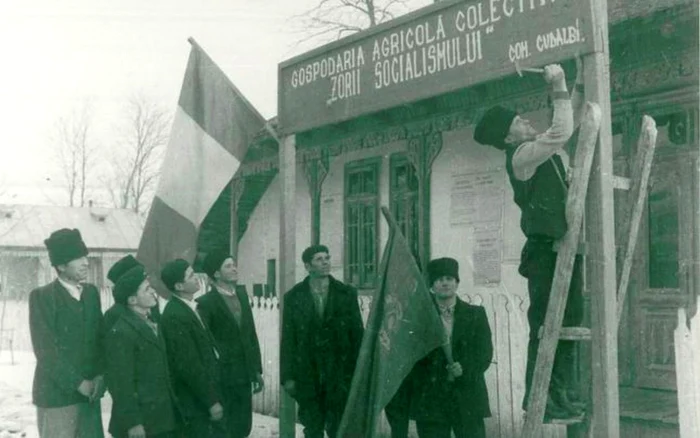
403,327
453,397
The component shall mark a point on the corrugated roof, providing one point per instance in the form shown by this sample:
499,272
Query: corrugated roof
102,228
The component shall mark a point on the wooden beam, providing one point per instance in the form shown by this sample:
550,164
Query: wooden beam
287,261
600,233
585,150
636,205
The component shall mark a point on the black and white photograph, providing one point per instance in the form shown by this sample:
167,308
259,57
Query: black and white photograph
350,219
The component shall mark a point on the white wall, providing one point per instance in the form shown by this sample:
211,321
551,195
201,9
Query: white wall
260,242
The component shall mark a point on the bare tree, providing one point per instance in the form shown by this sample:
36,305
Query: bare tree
75,151
334,19
138,154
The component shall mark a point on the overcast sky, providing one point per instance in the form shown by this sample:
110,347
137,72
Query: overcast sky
58,54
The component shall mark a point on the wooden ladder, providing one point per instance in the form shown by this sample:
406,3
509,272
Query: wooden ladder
552,330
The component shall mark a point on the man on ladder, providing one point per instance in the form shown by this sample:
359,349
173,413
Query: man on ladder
537,170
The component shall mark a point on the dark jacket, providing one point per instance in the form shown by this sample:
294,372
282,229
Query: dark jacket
542,198
138,378
194,368
433,396
65,336
238,345
113,314
319,353
111,317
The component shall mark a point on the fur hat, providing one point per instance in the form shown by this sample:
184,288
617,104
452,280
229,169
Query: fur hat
493,127
174,272
64,246
121,267
128,284
214,260
445,266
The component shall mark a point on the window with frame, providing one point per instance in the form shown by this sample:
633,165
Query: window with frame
361,217
403,192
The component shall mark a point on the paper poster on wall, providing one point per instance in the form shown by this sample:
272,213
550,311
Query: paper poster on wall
476,198
486,255
477,202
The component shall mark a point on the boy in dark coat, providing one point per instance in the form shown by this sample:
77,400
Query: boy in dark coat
321,336
227,313
454,398
536,166
192,355
137,365
64,321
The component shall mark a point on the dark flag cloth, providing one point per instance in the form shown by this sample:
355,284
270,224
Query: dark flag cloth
402,328
212,128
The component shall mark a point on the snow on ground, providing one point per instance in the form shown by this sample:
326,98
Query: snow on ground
18,414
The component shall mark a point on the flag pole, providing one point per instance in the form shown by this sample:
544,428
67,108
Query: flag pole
446,346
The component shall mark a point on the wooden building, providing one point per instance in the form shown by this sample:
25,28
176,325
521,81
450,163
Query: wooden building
414,153
109,234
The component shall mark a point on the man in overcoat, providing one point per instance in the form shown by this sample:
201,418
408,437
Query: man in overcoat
115,311
537,169
193,357
137,365
453,398
321,336
227,313
64,321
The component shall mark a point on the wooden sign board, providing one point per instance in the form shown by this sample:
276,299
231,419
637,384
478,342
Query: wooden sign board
440,48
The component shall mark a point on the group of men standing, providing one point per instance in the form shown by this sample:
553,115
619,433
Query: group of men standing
321,337
189,372
192,370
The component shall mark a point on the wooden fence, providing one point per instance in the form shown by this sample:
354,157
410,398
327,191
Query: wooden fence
687,346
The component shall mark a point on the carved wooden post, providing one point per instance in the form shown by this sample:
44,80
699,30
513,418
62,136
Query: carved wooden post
316,164
422,151
237,184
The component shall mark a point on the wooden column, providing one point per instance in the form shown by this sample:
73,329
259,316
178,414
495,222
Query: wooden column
237,184
316,165
287,257
600,234
422,151
695,142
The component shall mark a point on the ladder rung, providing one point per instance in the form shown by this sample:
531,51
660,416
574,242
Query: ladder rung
571,333
566,421
575,334
621,182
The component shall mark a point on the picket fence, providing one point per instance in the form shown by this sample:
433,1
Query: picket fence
687,346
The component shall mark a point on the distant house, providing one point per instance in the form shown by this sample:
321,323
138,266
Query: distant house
24,261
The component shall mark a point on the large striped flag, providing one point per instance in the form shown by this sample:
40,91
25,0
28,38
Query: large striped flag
212,128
